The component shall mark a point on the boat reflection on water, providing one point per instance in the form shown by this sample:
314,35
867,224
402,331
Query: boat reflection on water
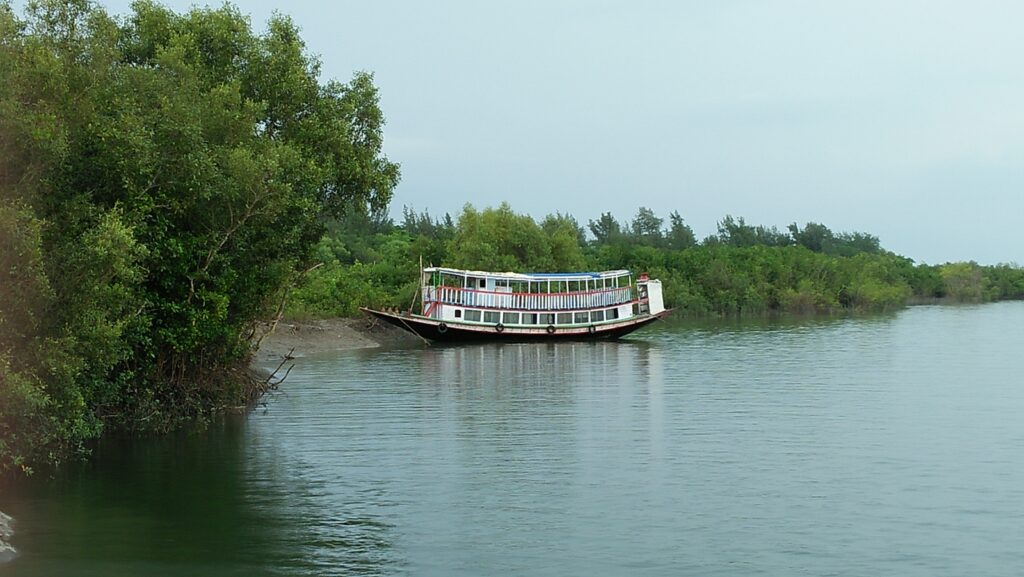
525,389
545,364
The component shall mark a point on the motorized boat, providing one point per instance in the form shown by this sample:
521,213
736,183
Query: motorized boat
471,305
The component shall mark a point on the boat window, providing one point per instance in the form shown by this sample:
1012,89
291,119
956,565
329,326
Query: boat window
596,316
491,316
483,283
472,315
458,313
613,314
510,318
529,318
582,318
546,318
565,318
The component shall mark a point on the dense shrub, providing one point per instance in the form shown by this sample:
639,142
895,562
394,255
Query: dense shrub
745,270
163,179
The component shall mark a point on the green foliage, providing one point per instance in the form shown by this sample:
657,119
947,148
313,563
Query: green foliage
818,238
964,281
162,180
736,232
744,270
25,293
499,239
645,229
606,229
566,227
1004,281
680,236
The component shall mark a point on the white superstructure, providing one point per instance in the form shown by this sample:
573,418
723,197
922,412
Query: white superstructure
552,300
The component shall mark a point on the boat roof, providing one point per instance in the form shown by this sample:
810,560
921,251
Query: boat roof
531,276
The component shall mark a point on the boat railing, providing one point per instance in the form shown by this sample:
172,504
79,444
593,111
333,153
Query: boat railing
528,301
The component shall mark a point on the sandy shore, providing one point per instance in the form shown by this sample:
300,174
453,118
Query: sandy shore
322,336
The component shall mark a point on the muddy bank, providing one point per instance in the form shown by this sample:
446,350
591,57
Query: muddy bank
7,552
298,340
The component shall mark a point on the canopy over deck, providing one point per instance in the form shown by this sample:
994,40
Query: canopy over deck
527,277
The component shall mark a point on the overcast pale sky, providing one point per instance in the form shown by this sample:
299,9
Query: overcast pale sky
904,119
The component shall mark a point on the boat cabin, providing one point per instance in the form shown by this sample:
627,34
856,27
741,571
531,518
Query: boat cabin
543,300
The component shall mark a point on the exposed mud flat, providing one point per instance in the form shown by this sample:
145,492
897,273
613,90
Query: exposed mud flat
297,339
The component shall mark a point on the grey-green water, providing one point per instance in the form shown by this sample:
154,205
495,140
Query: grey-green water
881,446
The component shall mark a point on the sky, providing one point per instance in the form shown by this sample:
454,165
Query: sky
903,119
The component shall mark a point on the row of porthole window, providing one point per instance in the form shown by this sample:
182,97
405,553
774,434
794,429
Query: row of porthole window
576,318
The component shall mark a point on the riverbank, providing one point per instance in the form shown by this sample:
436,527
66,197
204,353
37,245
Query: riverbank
301,339
7,552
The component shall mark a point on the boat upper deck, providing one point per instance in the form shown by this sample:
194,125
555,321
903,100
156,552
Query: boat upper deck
531,277
527,292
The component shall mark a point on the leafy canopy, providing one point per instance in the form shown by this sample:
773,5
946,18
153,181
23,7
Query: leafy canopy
162,178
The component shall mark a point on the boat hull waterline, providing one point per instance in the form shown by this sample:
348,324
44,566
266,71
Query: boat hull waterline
437,330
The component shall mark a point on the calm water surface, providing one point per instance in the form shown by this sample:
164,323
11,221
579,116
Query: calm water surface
881,446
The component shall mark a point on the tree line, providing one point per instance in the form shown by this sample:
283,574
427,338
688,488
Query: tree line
742,269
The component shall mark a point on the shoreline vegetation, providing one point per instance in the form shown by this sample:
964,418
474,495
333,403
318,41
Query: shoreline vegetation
170,181
367,259
164,177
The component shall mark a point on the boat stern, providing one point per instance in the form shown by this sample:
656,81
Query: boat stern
652,300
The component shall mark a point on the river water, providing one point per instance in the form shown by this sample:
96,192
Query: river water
889,445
